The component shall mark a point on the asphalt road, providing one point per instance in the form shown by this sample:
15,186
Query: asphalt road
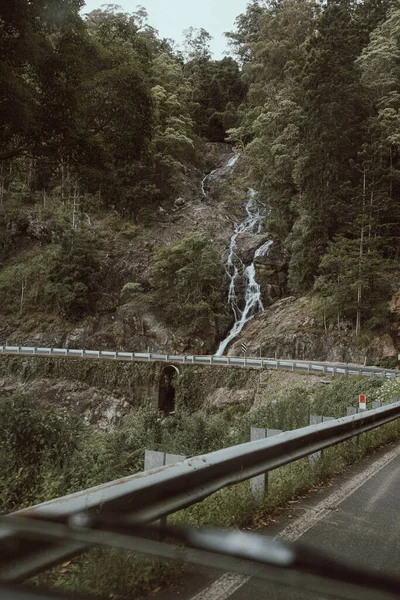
356,520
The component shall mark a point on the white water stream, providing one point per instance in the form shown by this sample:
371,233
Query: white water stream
231,162
235,269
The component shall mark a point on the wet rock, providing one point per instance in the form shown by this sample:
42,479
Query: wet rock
271,273
247,244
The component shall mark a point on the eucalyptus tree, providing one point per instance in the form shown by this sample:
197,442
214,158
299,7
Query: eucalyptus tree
174,142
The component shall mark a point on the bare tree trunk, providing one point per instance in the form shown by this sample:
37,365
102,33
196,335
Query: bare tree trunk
371,207
62,182
75,206
2,186
360,273
23,287
29,174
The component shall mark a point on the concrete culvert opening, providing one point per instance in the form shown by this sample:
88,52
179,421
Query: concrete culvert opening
166,393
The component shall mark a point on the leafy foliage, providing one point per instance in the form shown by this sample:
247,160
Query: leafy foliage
186,280
33,441
320,127
72,273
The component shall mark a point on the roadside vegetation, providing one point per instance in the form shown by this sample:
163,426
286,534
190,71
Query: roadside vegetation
48,453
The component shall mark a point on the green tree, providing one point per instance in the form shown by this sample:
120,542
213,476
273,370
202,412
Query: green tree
332,133
380,74
345,270
28,30
273,117
187,282
174,142
73,274
197,44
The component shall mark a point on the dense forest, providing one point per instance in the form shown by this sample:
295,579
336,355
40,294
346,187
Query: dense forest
99,113
103,105
321,127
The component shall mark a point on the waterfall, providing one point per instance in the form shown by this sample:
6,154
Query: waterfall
235,267
231,162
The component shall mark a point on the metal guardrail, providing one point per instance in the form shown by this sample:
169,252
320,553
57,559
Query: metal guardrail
319,368
148,496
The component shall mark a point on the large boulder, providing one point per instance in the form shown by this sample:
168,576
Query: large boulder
247,244
271,273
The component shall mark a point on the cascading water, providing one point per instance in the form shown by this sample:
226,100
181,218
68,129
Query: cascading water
231,162
235,267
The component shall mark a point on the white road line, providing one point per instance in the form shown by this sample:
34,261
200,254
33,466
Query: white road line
229,583
223,587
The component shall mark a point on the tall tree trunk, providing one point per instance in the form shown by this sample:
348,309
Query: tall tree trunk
360,273
23,287
75,206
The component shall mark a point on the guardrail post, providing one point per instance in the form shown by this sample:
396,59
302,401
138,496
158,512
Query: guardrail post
259,484
154,460
315,420
351,410
376,404
325,420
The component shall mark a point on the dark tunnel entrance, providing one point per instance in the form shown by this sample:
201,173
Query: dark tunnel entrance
166,393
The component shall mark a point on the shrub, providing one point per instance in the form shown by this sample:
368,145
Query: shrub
72,274
187,281
33,440
23,283
130,291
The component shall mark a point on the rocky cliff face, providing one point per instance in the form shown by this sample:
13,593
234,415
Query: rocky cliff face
100,393
271,273
290,329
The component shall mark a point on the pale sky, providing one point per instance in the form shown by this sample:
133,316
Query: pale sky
171,17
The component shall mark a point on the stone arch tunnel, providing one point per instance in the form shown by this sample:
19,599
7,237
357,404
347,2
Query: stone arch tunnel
166,389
